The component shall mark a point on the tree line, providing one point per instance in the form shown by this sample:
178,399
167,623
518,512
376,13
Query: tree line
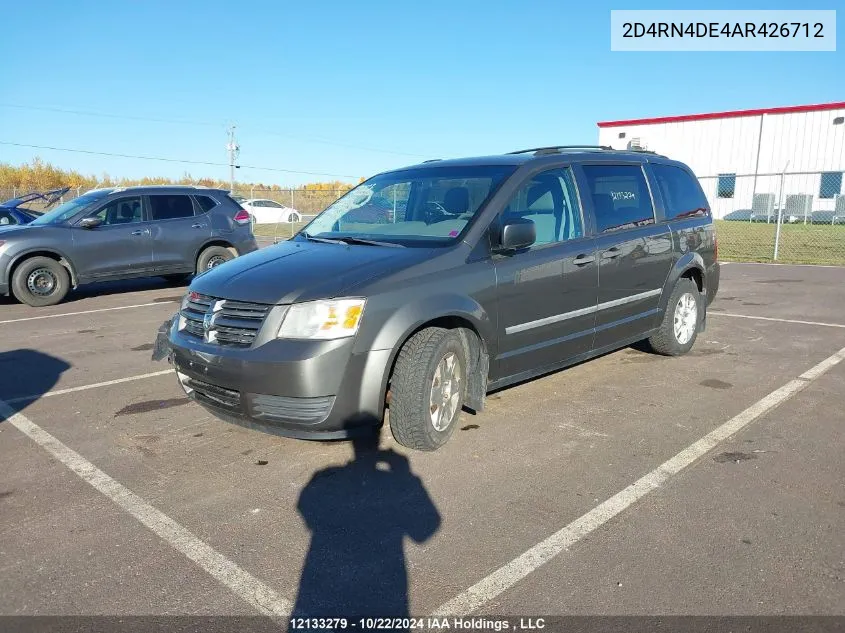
39,175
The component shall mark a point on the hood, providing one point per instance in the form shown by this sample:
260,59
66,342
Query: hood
296,271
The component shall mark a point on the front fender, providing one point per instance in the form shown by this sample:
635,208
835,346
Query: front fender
398,324
17,255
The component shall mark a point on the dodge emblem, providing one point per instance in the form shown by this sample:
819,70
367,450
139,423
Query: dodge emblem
208,322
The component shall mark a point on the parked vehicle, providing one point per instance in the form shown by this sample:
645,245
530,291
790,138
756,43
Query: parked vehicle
270,211
122,233
487,271
18,210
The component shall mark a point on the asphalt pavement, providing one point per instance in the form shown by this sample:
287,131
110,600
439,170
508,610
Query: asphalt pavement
126,498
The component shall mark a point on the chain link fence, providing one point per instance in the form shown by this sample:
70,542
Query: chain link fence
788,217
306,202
37,205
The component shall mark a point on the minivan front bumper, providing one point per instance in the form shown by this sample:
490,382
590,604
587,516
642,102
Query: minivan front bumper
296,388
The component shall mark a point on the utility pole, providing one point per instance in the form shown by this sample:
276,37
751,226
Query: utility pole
234,151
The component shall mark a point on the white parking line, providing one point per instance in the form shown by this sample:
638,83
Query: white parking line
508,575
64,314
59,392
762,318
240,582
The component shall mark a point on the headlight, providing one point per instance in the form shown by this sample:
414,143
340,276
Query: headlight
329,319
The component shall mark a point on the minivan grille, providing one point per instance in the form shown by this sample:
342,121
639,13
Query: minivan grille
235,323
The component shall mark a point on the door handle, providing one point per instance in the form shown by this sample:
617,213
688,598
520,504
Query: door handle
611,253
198,226
141,232
582,260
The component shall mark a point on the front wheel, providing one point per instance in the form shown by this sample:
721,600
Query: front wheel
428,388
40,281
679,328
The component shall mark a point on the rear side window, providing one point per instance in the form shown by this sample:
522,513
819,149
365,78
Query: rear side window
620,196
206,203
165,207
682,196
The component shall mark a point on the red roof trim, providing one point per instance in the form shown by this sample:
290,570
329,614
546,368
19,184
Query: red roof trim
726,115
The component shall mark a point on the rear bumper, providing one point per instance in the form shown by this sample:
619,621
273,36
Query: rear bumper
247,246
302,389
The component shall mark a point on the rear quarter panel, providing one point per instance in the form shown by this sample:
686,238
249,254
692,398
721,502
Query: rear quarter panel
693,240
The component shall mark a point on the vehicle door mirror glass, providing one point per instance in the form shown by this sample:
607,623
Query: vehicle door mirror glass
90,223
518,233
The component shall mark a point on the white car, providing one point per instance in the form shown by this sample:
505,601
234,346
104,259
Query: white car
270,211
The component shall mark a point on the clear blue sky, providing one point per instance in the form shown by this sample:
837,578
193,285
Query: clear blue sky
431,79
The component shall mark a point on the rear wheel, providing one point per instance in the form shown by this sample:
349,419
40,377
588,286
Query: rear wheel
213,256
40,281
679,328
428,388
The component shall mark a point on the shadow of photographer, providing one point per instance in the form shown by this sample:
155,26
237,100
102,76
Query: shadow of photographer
27,375
359,515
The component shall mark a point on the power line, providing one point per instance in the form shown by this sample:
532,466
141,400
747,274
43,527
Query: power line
307,139
174,160
106,115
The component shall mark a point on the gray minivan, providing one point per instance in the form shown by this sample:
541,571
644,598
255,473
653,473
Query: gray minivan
122,233
426,287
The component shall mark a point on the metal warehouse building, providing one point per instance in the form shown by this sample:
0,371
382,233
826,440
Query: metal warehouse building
753,163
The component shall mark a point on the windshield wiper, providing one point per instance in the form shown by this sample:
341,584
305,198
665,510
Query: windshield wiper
325,240
361,240
348,239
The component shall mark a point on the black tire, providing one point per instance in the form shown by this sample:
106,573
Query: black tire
412,385
665,341
177,279
40,281
213,256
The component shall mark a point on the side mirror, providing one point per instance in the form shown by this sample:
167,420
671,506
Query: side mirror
517,234
90,223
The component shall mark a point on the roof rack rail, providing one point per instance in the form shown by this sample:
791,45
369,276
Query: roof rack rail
556,149
553,149
432,160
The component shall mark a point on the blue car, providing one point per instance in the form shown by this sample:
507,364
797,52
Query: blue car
14,212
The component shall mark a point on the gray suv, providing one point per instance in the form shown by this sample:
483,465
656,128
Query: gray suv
424,288
122,233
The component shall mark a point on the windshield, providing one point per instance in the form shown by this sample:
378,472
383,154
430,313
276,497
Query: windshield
414,207
66,211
